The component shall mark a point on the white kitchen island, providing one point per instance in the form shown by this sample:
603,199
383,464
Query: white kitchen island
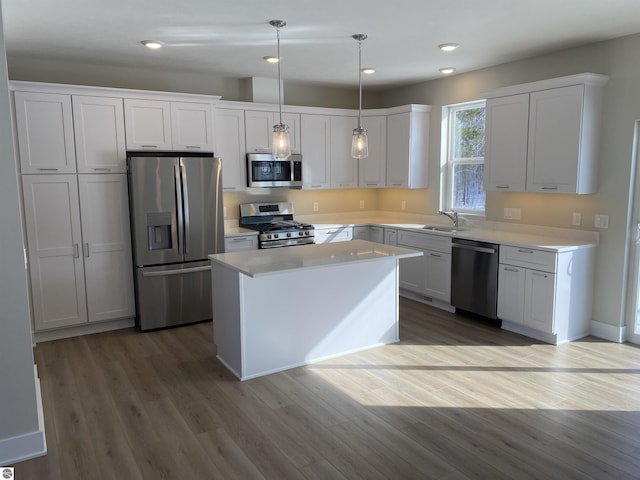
275,309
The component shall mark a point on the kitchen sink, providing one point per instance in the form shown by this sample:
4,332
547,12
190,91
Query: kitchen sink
443,228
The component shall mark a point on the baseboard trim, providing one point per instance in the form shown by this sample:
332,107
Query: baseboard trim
608,332
86,329
29,445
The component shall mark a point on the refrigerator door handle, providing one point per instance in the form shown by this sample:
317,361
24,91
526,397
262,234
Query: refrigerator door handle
182,271
179,202
185,202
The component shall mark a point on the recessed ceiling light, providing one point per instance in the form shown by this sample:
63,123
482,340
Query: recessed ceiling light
368,70
447,70
271,59
152,44
448,47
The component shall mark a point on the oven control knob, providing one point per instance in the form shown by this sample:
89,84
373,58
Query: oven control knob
288,234
300,234
275,235
268,235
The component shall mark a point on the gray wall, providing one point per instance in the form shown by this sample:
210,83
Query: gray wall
18,413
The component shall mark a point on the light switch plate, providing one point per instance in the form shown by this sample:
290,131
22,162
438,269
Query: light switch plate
316,206
601,221
361,203
403,205
576,219
512,213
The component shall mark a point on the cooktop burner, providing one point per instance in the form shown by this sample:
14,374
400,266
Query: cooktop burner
275,223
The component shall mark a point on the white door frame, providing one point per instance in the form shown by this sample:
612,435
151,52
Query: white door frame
633,239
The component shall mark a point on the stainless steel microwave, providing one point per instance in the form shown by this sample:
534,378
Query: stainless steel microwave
264,170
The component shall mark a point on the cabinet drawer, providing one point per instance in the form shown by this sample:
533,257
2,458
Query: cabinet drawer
238,244
528,257
331,235
424,241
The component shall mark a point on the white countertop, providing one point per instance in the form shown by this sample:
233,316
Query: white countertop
255,263
517,235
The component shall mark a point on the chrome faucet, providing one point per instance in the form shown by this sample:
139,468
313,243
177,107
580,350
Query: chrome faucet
452,215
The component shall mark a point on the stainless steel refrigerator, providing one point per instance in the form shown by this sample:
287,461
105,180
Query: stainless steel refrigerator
176,221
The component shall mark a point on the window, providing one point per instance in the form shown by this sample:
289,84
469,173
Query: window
463,164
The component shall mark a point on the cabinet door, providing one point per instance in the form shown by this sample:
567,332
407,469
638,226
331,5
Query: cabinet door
344,168
511,285
398,127
230,146
293,121
390,236
315,136
377,234
52,220
437,282
45,132
106,246
506,134
372,170
259,131
539,300
413,274
555,125
192,126
148,124
361,233
99,133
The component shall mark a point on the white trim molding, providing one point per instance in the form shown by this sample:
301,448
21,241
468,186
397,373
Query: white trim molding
608,332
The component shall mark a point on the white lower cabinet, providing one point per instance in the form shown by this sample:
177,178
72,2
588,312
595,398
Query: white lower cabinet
240,243
546,295
80,270
430,274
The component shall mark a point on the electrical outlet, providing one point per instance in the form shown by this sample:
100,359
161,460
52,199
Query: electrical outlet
512,213
576,219
601,221
361,203
403,205
316,206
224,211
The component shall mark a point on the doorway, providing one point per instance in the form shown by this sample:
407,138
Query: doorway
633,292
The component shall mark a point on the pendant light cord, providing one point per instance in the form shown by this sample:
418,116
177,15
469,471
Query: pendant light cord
360,82
279,76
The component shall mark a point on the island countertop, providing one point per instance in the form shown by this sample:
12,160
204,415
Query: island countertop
256,263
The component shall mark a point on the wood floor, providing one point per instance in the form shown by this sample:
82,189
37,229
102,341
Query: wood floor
455,399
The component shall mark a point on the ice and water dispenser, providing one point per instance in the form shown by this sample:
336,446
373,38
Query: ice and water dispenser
159,231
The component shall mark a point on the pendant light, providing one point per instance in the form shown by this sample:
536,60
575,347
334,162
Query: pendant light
281,145
359,144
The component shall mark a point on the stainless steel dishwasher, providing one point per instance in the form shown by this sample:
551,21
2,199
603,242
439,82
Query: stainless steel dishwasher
474,277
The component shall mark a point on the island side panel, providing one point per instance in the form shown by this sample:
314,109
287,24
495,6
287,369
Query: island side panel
303,316
225,284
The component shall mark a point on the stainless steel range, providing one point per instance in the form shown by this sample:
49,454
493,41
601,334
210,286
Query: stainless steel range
276,225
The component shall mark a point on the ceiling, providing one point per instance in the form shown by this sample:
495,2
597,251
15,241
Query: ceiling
229,38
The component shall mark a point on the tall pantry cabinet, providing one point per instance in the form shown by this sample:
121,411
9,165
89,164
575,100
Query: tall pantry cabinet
74,186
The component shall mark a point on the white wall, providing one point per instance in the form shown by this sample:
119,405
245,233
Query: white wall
19,423
617,58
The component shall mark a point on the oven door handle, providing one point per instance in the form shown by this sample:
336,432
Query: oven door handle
473,248
180,271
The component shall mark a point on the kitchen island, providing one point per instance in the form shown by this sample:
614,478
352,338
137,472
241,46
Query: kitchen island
275,309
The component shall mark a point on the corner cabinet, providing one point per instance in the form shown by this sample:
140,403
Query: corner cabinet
543,136
546,295
408,146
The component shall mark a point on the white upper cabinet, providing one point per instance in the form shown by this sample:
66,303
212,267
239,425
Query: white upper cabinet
148,124
408,147
316,148
99,133
259,130
230,146
192,126
344,168
372,170
44,123
562,126
506,136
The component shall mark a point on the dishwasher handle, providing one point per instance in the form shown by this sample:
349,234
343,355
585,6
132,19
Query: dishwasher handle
474,248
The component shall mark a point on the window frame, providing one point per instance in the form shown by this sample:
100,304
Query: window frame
448,163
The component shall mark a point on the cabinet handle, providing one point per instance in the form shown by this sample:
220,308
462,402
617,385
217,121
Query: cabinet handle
85,249
372,184
435,255
192,146
396,184
503,186
316,186
536,274
550,187
47,169
523,250
101,169
76,251
239,239
228,188
149,146
508,269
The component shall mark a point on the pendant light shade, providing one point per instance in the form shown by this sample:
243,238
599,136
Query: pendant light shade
281,144
359,143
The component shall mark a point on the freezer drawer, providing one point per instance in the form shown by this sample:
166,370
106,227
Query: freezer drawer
173,294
